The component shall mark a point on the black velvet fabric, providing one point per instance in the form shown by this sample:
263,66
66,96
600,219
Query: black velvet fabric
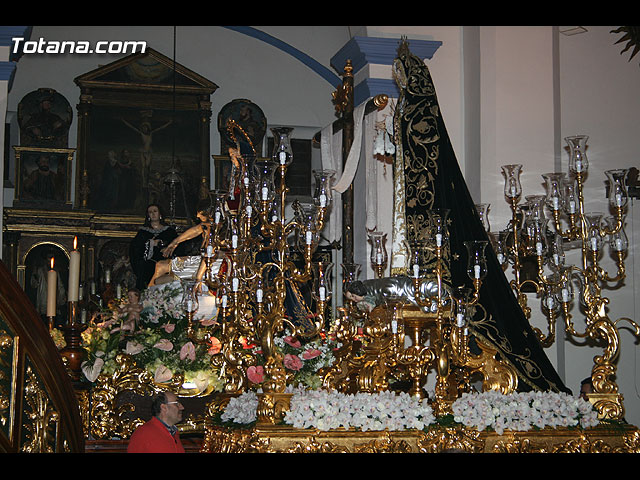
433,180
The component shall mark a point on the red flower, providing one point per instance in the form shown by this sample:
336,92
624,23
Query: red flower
245,343
292,341
311,353
255,374
292,362
214,346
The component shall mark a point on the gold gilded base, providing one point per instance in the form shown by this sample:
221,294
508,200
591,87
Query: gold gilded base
282,439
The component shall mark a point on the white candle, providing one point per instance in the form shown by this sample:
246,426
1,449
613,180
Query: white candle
217,217
572,206
74,272
235,284
249,211
438,239
378,258
513,190
118,291
555,203
538,248
460,319
322,292
265,193
52,280
394,326
209,250
234,241
107,276
565,295
416,271
224,301
500,258
323,200
283,158
618,199
259,295
309,237
594,243
476,271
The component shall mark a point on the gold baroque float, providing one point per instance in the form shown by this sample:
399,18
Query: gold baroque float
283,439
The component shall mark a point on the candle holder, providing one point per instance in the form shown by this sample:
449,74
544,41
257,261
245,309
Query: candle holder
378,256
553,280
73,354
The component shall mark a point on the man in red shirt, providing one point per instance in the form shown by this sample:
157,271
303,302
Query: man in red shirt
159,435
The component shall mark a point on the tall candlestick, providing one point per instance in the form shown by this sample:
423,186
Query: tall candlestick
74,272
52,286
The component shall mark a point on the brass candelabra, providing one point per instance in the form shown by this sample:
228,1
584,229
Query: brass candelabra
409,338
249,225
538,241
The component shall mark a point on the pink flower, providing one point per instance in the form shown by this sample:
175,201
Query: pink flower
207,322
164,345
162,374
169,327
311,353
293,341
292,362
133,348
255,374
188,352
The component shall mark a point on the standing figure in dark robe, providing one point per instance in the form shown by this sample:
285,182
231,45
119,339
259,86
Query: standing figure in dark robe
432,181
146,247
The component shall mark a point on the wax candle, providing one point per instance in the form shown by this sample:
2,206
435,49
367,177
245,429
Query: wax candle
74,272
52,280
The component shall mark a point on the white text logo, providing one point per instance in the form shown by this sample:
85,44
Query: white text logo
81,46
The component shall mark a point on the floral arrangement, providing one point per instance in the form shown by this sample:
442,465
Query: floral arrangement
523,411
331,410
159,344
302,359
363,411
399,411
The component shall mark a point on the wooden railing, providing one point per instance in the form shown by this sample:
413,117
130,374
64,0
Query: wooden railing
39,410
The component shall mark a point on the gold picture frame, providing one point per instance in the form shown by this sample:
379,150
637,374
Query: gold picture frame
43,176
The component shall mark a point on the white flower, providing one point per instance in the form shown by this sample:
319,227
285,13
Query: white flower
92,371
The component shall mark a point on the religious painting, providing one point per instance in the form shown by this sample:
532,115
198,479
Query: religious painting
222,170
139,156
143,136
43,177
44,118
249,117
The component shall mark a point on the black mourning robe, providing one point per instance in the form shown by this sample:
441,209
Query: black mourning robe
433,180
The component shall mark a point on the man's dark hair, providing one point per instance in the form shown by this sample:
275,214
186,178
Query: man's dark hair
157,400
